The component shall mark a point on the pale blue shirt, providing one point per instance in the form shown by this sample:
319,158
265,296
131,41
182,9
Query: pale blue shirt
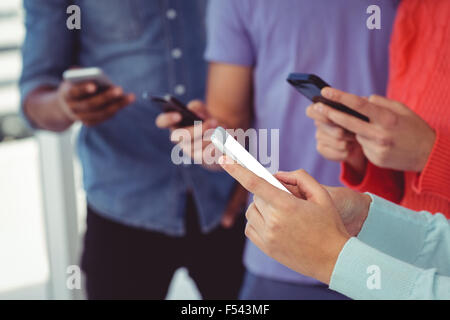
275,38
399,254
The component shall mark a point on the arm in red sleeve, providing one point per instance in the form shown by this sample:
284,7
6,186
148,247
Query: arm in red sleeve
435,177
386,183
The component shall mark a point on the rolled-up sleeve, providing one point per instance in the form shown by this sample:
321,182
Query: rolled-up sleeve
49,48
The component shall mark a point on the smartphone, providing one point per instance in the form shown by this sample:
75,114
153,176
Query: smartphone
226,144
94,74
310,86
169,103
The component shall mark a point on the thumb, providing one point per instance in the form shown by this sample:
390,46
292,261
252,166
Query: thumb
395,106
307,185
199,108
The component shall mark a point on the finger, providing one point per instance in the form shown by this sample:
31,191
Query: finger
98,101
335,131
390,104
254,237
96,117
195,132
235,206
352,101
260,204
312,189
312,113
329,140
167,120
199,108
255,218
78,91
331,153
349,122
250,181
292,188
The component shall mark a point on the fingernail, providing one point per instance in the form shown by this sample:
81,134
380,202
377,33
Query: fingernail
90,88
222,160
176,117
326,92
117,91
318,107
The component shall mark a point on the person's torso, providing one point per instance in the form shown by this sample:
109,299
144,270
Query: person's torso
419,78
327,38
149,48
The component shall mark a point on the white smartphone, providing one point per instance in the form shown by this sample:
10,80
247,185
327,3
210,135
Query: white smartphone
223,141
94,74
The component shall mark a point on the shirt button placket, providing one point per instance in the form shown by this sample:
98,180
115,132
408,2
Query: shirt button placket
176,54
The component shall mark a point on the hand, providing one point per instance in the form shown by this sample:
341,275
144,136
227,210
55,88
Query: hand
235,206
396,137
353,206
306,235
198,142
335,143
81,102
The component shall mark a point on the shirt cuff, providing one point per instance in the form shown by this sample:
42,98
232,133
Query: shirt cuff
362,272
383,230
435,177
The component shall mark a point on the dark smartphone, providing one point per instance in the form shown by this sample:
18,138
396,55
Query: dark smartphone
171,104
310,86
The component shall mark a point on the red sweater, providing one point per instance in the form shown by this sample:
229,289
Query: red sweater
420,78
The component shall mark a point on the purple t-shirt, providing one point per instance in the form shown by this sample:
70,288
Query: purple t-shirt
325,37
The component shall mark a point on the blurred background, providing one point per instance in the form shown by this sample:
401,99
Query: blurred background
42,203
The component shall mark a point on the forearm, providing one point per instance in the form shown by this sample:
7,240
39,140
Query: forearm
229,95
42,108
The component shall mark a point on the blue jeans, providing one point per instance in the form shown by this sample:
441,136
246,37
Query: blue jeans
260,288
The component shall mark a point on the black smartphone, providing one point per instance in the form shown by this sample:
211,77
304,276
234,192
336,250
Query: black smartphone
310,86
169,103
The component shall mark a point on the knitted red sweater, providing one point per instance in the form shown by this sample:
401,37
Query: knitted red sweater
420,78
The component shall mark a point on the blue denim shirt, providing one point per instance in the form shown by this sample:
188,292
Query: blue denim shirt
144,46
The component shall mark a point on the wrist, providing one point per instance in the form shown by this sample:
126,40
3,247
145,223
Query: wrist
324,270
366,200
357,162
427,147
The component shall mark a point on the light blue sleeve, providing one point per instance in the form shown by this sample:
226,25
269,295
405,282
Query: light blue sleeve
418,238
49,47
362,272
399,254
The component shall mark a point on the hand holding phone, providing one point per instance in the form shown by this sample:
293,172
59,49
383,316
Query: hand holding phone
311,85
169,103
87,95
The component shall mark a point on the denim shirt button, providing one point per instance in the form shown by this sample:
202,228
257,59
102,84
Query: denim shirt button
177,53
171,14
180,89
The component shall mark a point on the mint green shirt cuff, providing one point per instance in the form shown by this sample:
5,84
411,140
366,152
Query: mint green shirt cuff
392,229
362,272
